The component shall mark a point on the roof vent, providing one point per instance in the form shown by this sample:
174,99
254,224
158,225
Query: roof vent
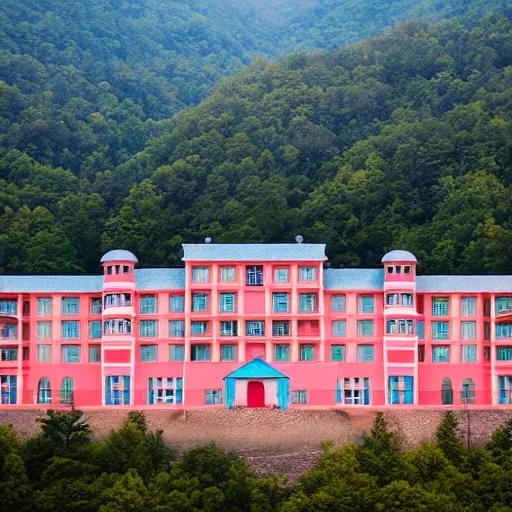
208,240
299,239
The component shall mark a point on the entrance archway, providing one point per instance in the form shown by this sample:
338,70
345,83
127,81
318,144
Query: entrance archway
255,394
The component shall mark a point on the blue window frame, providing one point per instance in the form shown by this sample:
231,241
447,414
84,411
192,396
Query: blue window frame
70,306
307,273
8,307
228,328
94,353
337,352
227,275
353,391
421,329
254,275
44,330
148,328
365,328
307,352
200,353
440,306
95,306
338,303
300,396
199,302
503,305
366,304
228,352
44,391
70,329
441,354
307,302
147,304
468,353
282,352
213,396
255,328
401,390
148,353
176,353
176,304
198,328
339,328
227,302
95,329
281,302
200,275
117,390
177,328
281,275
440,330
165,390
67,389
504,354
503,331
468,306
70,353
280,328
8,389
44,306
365,353
505,389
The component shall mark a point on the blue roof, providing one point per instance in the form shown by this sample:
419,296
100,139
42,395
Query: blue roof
399,255
256,369
462,284
254,252
160,278
354,279
119,255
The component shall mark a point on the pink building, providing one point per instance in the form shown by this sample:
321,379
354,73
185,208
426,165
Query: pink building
255,325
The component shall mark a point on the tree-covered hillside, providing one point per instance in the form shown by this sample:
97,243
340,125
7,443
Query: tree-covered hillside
403,140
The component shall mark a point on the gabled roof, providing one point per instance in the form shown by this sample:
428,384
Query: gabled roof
254,252
353,279
256,369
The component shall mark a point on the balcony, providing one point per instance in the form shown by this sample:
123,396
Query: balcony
504,315
8,308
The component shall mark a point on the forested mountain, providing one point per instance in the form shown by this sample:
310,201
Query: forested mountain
365,147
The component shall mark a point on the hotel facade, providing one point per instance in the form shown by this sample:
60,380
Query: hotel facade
255,325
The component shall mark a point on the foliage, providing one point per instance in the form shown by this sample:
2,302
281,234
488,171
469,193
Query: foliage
448,439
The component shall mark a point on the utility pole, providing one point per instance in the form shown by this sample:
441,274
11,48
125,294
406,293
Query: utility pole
466,400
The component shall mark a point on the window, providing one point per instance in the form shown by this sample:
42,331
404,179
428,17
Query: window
117,326
200,353
177,328
338,352
307,273
307,352
421,353
281,275
365,353
487,353
338,303
44,306
126,269
440,354
94,353
447,392
148,328
8,389
467,394
503,305
487,330
440,330
70,306
70,330
117,390
366,304
487,307
255,328
399,299
44,353
468,353
95,329
44,330
176,304
282,352
199,302
9,331
163,390
503,331
176,353
228,352
117,300
400,327
200,275
148,354
7,307
398,269
95,306
44,391
213,396
468,306
228,328
390,269
147,304
109,270
468,330
439,306
70,353
420,324
281,301
254,275
355,391
407,269
9,354
339,328
401,390
227,274
307,302
299,397
505,389
227,302
280,328
504,354
198,328
365,327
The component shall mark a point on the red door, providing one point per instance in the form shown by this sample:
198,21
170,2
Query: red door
255,394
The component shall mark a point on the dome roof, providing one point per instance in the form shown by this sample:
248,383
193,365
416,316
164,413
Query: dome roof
119,255
399,256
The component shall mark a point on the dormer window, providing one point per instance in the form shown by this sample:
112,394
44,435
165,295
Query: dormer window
126,269
398,269
109,270
407,269
390,269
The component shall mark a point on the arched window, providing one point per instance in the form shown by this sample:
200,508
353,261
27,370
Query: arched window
66,390
447,392
467,394
44,392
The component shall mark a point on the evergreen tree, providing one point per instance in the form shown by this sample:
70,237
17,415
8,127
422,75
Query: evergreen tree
448,439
